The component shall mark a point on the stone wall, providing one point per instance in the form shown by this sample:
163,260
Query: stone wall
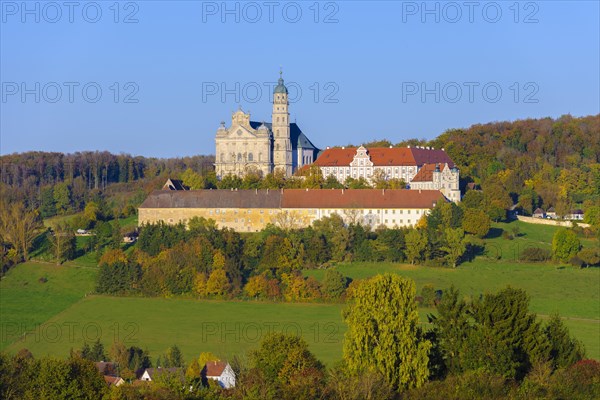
544,221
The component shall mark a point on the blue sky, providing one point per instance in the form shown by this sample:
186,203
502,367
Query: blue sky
169,72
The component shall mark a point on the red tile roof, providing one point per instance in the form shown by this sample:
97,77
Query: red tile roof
385,156
425,174
293,198
215,368
360,198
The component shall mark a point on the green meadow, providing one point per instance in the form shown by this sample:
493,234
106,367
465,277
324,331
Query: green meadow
58,314
33,292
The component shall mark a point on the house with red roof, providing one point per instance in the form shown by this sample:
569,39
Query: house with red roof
221,372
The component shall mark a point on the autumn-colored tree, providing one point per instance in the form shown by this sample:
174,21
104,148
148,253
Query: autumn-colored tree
205,357
218,284
218,259
200,281
383,331
19,226
256,286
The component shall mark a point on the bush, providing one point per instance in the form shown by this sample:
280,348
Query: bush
590,257
535,254
428,295
507,235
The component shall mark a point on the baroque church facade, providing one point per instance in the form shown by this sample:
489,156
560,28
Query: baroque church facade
261,146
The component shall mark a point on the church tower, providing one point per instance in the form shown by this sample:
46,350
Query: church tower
282,145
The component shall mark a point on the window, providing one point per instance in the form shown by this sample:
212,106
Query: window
222,157
408,212
242,220
239,157
386,211
249,211
250,157
393,211
236,220
417,211
262,211
210,212
386,221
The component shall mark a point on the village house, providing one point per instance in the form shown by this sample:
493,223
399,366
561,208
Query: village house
253,210
221,372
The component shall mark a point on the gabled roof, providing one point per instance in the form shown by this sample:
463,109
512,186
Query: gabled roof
425,174
174,184
551,210
385,156
538,211
113,380
214,368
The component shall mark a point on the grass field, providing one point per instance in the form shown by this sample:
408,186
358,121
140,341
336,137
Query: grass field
26,302
230,328
225,328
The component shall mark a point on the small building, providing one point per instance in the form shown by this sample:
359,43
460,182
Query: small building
221,372
551,213
539,213
174,184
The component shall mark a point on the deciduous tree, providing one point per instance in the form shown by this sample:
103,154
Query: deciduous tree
383,331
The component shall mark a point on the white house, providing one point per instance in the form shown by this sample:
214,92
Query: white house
221,372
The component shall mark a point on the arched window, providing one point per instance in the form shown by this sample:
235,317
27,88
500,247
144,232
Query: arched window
239,156
250,157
